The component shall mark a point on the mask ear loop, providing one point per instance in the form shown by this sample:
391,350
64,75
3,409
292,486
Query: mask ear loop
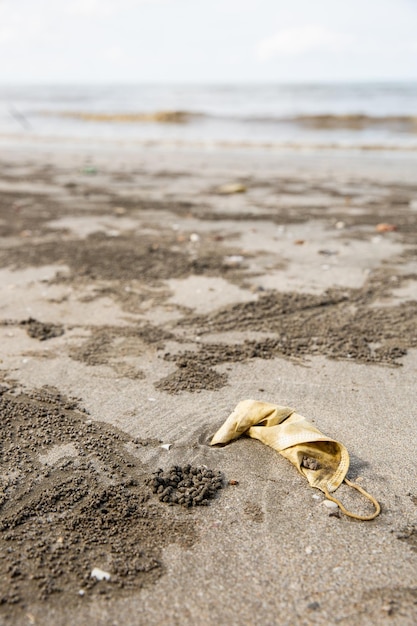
355,515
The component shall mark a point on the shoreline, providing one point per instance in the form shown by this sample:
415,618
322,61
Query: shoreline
12,141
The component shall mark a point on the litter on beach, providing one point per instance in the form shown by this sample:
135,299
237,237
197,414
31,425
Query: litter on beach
385,228
231,189
320,459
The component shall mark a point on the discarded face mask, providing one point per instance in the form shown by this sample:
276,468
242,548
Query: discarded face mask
322,460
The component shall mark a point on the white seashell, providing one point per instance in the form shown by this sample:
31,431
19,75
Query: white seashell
99,574
166,446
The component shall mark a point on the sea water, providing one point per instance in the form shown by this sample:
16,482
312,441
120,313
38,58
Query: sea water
372,116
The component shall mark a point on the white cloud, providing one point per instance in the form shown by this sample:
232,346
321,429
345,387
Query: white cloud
102,8
113,54
90,7
298,41
7,34
15,26
200,41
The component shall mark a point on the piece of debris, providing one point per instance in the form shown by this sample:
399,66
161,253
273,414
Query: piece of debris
326,252
299,242
89,170
166,446
186,485
99,574
299,441
232,188
385,228
194,238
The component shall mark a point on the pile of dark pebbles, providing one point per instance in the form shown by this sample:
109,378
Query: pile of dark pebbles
186,485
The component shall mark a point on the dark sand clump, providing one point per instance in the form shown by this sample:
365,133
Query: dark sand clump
41,330
72,498
186,485
409,535
123,258
192,375
340,324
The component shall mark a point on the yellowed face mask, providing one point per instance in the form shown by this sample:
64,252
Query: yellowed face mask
322,460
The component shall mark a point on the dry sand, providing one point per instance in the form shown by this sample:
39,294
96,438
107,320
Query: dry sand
138,305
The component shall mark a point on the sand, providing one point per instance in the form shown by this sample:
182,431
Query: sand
138,305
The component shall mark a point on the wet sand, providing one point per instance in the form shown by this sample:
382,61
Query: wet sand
139,303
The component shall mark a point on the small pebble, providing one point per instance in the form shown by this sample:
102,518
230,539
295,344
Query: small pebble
233,259
326,252
194,238
233,482
100,574
330,504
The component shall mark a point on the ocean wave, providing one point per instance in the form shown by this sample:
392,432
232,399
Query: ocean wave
164,117
320,121
357,121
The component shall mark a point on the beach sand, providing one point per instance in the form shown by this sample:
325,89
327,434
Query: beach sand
139,303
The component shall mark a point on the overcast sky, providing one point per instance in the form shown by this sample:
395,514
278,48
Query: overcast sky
207,40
